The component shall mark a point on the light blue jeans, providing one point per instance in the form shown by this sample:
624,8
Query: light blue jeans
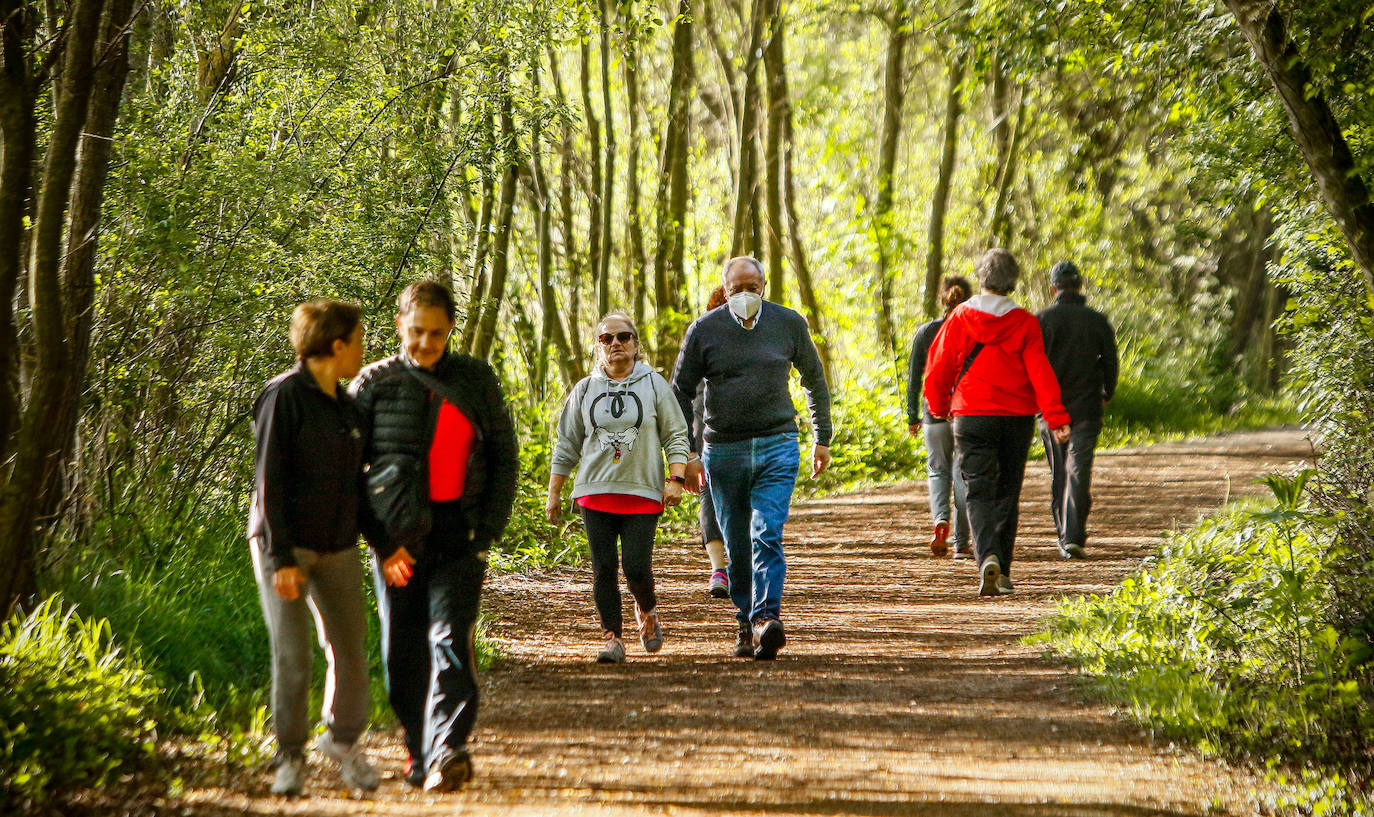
751,484
942,476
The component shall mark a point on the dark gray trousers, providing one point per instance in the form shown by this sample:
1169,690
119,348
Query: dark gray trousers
992,458
1071,473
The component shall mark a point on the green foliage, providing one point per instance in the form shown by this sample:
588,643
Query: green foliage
75,709
1226,638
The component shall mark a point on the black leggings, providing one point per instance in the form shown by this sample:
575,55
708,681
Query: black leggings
635,532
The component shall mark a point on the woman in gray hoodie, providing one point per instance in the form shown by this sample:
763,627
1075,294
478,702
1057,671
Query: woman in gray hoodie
617,425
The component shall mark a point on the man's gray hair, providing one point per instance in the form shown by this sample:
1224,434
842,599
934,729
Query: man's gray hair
997,271
742,259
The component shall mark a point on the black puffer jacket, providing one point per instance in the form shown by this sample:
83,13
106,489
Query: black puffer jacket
399,416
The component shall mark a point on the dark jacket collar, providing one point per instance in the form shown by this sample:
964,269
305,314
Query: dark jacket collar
1067,297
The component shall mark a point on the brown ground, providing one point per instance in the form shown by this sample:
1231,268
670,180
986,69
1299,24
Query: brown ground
900,691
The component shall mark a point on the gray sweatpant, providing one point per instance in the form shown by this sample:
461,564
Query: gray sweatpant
333,596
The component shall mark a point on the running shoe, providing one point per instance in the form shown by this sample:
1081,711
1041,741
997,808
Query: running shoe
290,779
613,652
452,774
1072,550
939,540
1004,587
744,643
650,633
770,637
356,772
963,551
414,773
719,585
991,571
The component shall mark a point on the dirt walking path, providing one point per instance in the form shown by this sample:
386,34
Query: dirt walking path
900,691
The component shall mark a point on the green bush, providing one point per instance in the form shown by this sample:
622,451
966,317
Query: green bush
1225,638
75,709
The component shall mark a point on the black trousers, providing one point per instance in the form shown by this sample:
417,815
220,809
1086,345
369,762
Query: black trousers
1071,474
992,459
635,534
427,639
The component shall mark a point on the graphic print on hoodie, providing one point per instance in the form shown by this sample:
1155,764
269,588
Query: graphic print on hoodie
616,418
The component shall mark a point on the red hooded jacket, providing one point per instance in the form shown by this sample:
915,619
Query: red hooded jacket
1011,377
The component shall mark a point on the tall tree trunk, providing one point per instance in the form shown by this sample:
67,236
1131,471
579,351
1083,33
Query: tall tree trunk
481,238
733,99
603,268
552,332
774,68
500,254
17,130
674,194
811,305
90,80
1314,128
567,166
636,268
939,203
1000,228
747,177
594,246
894,96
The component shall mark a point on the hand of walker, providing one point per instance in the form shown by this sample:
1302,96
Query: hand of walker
553,509
914,429
1061,434
820,459
397,568
695,477
288,582
672,494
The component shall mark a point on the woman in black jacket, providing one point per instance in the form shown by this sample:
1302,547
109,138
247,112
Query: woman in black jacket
303,527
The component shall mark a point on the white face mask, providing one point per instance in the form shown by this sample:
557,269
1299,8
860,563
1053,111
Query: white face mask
745,305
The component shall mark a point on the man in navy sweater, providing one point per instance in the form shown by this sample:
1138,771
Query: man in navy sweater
745,351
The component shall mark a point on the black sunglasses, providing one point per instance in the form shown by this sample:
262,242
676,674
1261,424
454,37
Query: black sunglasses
607,338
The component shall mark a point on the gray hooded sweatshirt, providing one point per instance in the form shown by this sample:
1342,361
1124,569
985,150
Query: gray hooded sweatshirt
616,433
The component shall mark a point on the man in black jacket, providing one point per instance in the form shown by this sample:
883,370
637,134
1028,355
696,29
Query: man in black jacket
1081,347
440,418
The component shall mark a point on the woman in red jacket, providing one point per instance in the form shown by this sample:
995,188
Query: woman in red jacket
987,369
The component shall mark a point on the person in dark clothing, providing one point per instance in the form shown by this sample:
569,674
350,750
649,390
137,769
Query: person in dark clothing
941,474
303,534
1081,346
443,415
744,352
988,370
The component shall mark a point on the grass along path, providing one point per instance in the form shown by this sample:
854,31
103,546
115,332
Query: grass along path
900,691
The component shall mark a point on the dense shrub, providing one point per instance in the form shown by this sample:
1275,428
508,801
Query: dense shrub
75,708
1226,638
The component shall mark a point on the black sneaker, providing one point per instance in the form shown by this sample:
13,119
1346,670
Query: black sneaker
768,632
452,774
1072,550
744,643
414,773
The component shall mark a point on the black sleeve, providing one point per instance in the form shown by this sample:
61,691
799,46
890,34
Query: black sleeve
1110,365
915,373
808,363
372,528
503,460
687,374
276,419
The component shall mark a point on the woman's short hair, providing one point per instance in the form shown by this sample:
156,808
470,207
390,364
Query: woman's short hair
997,271
315,325
426,293
954,290
617,315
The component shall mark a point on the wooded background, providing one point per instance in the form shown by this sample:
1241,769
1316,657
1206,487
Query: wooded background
176,176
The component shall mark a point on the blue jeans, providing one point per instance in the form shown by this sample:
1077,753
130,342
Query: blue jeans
751,485
944,478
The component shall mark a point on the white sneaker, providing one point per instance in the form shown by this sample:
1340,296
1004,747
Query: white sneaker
356,772
992,571
290,776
